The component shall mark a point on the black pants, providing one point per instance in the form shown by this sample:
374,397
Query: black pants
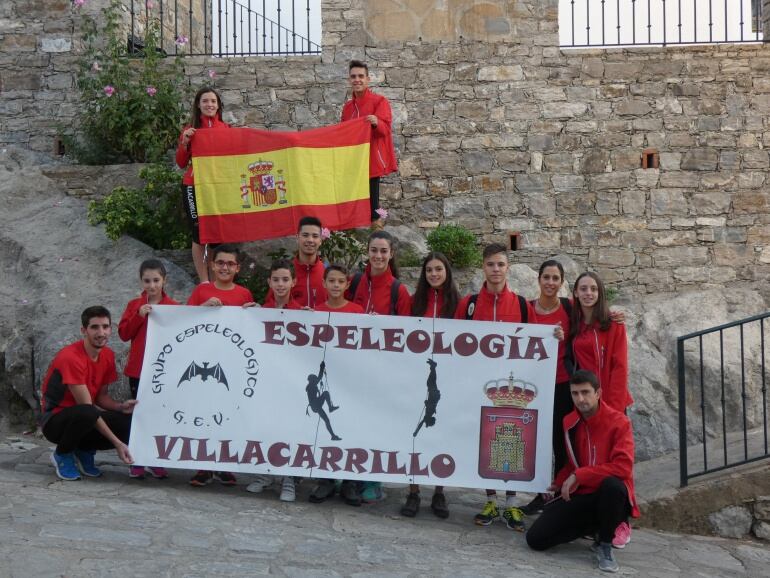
133,383
562,405
563,522
74,428
191,211
374,196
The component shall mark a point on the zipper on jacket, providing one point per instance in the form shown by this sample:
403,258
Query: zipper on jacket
435,302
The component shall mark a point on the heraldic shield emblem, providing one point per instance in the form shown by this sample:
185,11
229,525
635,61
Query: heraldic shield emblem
508,440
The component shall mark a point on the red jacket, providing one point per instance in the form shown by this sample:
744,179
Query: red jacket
606,354
349,307
133,328
183,154
434,304
503,306
382,154
598,447
373,294
309,289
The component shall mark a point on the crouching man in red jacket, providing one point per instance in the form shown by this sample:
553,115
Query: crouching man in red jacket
594,491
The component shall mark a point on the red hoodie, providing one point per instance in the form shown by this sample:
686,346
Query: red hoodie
309,289
183,154
382,154
503,306
373,294
133,327
606,354
598,447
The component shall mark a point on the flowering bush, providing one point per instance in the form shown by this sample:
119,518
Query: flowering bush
346,248
132,104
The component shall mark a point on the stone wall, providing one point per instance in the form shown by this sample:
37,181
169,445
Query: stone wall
498,129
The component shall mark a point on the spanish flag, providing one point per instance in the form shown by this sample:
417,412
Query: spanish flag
255,184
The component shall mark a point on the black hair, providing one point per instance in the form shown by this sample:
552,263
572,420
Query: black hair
335,267
309,220
154,265
494,249
601,311
380,234
227,248
551,263
94,311
282,264
584,376
451,296
358,64
195,115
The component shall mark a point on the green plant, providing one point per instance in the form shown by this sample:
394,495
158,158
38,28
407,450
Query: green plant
347,248
254,277
610,293
131,104
457,243
408,257
151,214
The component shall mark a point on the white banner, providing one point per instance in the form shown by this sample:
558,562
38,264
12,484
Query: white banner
399,399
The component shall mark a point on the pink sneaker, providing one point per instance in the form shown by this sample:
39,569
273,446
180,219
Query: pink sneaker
158,473
136,472
622,535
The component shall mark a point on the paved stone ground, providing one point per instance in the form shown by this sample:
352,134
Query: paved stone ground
115,526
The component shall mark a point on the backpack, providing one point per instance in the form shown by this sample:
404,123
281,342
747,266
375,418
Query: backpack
354,282
470,310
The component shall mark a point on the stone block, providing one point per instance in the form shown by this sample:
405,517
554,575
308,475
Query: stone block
595,161
751,179
670,161
611,256
626,159
700,160
576,204
755,159
647,178
673,238
733,255
668,202
503,73
607,203
477,162
751,203
540,142
441,163
614,181
568,183
529,184
12,81
731,522
512,161
633,202
18,43
473,110
564,110
631,107
678,179
679,256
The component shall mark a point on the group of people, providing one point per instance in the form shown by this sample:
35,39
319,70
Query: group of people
593,449
593,444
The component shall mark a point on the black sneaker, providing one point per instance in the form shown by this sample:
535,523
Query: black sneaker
439,506
350,494
412,505
225,478
202,478
534,507
323,491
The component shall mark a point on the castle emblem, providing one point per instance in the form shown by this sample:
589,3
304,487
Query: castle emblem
508,440
260,187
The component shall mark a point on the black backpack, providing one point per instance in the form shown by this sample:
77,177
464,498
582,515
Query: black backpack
354,282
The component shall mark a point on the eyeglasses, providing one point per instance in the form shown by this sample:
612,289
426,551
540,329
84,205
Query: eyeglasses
228,264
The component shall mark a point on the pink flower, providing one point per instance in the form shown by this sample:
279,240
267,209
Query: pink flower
95,67
78,3
383,213
325,233
151,90
212,74
109,90
181,40
149,5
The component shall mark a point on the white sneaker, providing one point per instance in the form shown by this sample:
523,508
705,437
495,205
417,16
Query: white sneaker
259,484
288,493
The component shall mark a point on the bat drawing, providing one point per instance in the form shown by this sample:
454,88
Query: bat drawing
204,372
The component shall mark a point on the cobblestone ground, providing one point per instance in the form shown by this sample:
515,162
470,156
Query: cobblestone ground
123,527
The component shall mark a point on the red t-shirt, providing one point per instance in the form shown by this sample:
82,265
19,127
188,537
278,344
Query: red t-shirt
73,366
238,295
270,304
559,316
349,307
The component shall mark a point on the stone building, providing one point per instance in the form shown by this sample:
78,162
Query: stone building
497,128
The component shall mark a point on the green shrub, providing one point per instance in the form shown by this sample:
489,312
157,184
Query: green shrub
132,105
457,243
151,214
347,248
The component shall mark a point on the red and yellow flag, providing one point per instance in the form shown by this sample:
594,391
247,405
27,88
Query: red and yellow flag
255,184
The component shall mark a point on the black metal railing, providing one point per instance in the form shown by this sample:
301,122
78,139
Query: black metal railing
607,23
230,27
723,398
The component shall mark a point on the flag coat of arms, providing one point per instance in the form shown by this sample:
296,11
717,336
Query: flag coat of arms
253,184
